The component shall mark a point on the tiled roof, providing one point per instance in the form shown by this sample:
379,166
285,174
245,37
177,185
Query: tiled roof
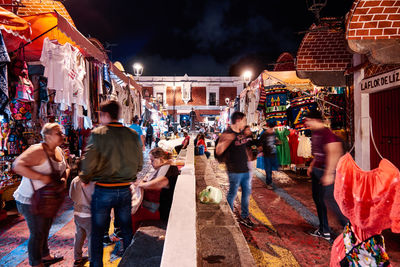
33,7
324,48
374,19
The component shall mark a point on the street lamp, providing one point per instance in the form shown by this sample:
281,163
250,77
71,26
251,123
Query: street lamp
247,77
137,69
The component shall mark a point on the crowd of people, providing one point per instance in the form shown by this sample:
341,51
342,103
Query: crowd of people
107,178
107,183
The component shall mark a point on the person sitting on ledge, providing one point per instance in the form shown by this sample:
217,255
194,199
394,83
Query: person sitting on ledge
158,189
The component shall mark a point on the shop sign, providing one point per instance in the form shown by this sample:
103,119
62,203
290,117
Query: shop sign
381,82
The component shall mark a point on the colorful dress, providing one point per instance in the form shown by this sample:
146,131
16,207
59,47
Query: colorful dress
371,201
283,149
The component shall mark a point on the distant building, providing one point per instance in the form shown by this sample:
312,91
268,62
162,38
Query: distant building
206,95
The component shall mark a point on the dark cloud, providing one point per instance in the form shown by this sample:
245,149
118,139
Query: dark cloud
208,37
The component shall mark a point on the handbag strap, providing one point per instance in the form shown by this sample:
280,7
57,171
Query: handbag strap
33,187
48,157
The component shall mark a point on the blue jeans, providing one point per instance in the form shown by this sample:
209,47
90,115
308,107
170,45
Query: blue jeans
270,164
103,200
39,228
244,180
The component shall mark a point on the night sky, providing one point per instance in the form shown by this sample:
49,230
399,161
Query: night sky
206,37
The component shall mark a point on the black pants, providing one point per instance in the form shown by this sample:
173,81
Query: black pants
149,140
323,198
178,149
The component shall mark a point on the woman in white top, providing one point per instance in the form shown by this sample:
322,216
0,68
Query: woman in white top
34,164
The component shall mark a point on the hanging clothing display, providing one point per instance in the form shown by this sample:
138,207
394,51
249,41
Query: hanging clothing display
283,149
4,59
337,115
276,104
304,148
299,107
294,145
52,59
371,201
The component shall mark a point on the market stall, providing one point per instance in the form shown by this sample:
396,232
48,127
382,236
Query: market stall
58,76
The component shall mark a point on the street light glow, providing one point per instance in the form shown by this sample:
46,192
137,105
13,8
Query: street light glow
247,76
138,69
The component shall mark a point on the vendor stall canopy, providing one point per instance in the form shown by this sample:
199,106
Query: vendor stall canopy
56,27
288,78
15,30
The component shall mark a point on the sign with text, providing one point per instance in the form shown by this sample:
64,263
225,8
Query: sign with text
381,82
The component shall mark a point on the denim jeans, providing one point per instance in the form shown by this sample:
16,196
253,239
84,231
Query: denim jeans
243,180
323,197
103,200
39,228
270,164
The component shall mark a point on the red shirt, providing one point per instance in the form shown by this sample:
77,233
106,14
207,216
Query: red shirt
201,142
319,139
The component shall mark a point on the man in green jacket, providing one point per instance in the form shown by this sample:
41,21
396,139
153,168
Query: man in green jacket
112,159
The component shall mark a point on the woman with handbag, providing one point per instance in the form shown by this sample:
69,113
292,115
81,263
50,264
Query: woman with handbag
42,190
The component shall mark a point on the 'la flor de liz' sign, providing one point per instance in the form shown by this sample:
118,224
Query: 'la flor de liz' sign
383,81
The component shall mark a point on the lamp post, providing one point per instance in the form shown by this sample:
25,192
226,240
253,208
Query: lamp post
137,70
247,77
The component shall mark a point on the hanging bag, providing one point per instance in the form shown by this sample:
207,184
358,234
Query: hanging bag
47,200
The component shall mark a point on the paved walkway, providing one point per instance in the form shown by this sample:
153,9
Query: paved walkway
283,217
14,236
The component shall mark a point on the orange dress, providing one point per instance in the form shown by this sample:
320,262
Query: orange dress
369,199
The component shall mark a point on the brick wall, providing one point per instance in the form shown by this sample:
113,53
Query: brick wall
324,48
178,96
225,92
373,70
370,19
198,96
33,7
285,62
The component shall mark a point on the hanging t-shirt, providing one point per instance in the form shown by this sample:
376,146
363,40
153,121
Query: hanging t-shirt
319,139
52,59
236,155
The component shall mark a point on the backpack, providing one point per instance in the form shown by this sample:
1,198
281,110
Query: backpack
220,158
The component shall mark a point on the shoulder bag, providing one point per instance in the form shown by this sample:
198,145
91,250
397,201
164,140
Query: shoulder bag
47,200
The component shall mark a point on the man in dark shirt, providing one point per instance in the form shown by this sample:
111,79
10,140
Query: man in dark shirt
267,143
326,149
232,143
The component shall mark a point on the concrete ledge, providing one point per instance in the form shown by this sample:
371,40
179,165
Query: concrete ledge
220,240
180,239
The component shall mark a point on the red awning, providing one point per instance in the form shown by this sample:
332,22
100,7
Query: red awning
15,30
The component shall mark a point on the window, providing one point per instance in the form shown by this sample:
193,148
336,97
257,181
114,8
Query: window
212,99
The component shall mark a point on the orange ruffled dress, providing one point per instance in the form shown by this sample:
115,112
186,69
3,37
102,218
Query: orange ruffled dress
369,199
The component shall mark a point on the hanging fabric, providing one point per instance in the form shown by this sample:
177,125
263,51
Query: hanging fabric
369,199
4,59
